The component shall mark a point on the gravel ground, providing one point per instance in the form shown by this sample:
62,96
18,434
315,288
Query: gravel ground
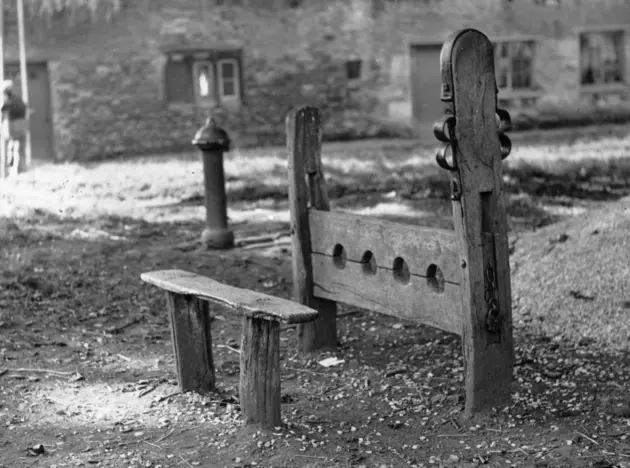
573,278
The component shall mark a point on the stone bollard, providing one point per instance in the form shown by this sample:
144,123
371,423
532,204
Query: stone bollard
213,142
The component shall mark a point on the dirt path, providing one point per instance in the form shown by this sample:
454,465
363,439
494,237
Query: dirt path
98,386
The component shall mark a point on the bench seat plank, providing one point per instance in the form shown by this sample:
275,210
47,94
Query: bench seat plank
252,304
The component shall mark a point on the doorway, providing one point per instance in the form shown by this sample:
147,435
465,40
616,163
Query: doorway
42,144
426,84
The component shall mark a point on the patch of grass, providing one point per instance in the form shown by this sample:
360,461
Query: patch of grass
588,157
575,116
15,261
594,168
13,257
135,186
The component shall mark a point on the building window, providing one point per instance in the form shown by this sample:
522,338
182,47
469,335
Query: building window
353,69
601,58
229,84
514,65
203,77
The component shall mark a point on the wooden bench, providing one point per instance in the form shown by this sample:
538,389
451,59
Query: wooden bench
187,298
458,281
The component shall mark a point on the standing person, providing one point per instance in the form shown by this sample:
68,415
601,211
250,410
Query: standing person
13,124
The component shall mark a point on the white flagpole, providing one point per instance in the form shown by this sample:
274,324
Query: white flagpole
24,79
3,152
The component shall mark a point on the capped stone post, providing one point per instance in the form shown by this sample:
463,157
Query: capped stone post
213,141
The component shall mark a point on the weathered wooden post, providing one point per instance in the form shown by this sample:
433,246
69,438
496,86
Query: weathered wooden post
259,384
304,145
192,342
473,132
213,141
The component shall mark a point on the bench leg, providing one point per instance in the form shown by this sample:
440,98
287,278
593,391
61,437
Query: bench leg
321,333
260,373
192,342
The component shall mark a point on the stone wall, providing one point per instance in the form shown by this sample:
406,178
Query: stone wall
107,78
555,30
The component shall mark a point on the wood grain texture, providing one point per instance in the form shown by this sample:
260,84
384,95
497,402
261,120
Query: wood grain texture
481,209
192,342
381,292
418,246
259,386
249,303
304,139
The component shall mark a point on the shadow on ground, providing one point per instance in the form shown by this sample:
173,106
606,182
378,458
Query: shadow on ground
91,378
88,356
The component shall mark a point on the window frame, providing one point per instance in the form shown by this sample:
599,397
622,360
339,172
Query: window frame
509,92
354,65
622,85
196,65
196,56
236,78
166,93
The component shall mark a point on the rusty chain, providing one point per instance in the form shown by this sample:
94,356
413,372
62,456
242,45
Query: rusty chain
493,319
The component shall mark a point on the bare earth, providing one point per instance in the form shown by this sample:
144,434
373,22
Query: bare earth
86,365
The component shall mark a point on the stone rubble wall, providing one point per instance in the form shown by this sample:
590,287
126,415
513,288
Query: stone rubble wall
107,79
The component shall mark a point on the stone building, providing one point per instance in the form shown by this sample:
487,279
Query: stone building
143,80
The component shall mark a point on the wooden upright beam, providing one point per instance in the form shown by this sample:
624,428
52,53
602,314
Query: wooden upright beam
304,143
259,384
192,342
470,95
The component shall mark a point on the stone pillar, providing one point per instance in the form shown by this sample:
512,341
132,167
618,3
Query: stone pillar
213,141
